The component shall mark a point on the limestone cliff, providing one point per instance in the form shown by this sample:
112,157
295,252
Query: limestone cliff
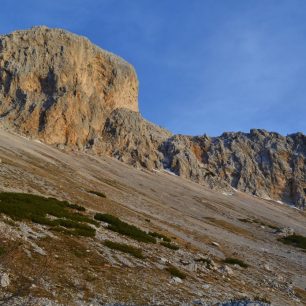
59,87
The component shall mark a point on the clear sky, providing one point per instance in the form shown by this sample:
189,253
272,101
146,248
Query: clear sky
204,66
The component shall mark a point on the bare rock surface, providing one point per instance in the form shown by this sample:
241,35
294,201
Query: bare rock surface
59,87
261,163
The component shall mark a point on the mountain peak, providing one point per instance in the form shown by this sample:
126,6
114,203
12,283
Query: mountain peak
59,87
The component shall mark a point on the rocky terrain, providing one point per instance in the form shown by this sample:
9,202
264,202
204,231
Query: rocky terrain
261,163
58,87
197,220
61,89
45,265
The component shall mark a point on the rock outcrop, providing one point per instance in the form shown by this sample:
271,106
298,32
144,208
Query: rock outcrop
58,87
261,163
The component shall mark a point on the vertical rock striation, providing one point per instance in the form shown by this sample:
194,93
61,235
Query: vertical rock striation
59,87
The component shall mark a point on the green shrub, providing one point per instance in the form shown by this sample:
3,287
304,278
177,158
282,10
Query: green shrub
107,218
116,225
21,206
295,240
169,245
235,261
2,250
76,207
85,231
122,247
98,193
160,236
176,272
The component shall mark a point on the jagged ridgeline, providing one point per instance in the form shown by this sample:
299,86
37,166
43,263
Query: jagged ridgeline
63,90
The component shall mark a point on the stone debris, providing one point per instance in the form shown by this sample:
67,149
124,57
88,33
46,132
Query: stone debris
285,231
4,280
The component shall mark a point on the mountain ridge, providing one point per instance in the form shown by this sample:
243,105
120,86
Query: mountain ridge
61,89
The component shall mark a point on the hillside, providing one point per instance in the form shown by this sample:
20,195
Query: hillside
99,206
206,226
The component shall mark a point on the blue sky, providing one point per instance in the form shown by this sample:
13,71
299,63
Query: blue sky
204,66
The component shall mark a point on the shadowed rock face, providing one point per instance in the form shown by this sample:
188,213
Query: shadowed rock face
261,163
58,87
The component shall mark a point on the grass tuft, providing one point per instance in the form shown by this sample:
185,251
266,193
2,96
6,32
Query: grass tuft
170,245
235,261
176,272
125,248
294,240
2,250
116,225
76,207
160,236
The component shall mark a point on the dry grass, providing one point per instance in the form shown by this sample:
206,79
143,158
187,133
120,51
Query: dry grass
230,227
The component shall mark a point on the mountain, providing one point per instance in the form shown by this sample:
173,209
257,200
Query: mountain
197,220
61,89
58,87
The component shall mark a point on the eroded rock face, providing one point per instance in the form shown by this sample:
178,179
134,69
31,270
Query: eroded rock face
131,139
59,87
261,163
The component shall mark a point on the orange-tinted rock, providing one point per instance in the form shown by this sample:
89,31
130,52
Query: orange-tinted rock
59,87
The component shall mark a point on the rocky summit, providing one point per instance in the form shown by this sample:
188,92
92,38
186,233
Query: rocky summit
63,90
59,87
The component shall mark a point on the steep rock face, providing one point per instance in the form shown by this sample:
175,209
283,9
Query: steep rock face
131,139
58,87
264,164
261,163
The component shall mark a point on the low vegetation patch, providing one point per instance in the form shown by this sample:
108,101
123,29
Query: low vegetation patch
76,207
169,245
2,250
256,221
125,248
21,206
176,272
235,261
98,193
295,240
245,220
160,236
121,227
